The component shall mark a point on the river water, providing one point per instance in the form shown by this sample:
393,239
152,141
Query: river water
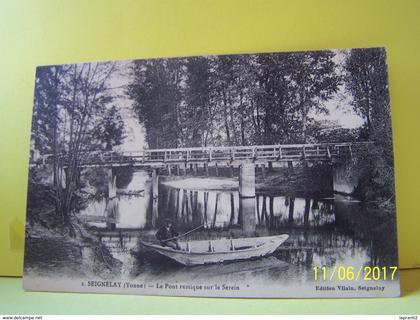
323,231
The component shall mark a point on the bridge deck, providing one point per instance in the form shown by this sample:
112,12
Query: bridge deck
258,154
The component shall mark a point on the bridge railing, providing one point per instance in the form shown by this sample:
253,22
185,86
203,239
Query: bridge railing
271,152
291,152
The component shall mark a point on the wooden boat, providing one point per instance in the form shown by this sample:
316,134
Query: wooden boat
202,252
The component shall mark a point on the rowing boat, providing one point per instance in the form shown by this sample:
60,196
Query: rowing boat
200,252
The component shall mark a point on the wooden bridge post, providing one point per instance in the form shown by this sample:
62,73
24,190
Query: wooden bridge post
290,166
195,168
177,169
217,169
263,171
230,170
247,197
169,170
206,168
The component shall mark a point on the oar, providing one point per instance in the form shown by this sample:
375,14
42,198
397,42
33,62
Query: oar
184,234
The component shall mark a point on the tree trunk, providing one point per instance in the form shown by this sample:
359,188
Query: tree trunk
215,210
206,198
225,114
304,120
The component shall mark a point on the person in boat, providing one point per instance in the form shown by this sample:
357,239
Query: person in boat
166,235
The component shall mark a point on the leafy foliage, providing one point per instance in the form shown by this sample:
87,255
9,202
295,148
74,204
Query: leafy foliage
231,100
73,115
367,80
155,91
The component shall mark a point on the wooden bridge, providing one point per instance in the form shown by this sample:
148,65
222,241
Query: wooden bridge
248,159
330,152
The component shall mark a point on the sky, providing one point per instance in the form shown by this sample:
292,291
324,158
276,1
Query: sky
340,111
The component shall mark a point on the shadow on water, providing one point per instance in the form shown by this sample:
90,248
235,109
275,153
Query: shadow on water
323,231
152,267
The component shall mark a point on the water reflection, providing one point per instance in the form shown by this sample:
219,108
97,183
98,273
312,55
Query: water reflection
323,231
225,209
240,272
214,209
133,203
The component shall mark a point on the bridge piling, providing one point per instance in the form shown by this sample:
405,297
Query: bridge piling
247,180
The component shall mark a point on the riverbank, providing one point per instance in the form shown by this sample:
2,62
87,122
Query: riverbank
66,249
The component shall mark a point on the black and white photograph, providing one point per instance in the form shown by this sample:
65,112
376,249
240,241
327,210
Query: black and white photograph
249,175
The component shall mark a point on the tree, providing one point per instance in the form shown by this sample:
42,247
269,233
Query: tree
231,99
366,79
233,78
155,92
49,84
72,116
315,79
197,112
110,129
290,86
275,115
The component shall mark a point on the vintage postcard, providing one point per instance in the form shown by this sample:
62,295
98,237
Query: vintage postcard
254,175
